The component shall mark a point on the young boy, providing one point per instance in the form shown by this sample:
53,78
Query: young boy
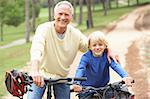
95,66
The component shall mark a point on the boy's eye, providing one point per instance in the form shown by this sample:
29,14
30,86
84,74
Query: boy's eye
94,45
100,44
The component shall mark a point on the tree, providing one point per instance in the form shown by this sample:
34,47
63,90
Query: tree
137,2
106,6
33,15
12,13
50,9
35,12
89,19
74,5
27,21
81,11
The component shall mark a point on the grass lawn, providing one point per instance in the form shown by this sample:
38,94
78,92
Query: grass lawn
14,57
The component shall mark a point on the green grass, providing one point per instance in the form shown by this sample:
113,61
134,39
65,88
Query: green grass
14,57
101,21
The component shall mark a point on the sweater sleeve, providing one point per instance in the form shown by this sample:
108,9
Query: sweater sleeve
38,44
117,68
83,47
81,68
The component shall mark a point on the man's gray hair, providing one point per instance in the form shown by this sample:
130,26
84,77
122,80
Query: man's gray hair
64,2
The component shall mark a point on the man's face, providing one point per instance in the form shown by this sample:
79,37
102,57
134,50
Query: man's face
97,47
62,16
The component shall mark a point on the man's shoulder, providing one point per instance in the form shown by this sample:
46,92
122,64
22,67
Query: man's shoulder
45,25
72,28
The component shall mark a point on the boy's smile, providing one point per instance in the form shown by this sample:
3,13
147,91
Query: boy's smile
97,48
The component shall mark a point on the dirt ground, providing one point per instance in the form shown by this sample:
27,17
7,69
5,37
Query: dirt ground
130,36
137,58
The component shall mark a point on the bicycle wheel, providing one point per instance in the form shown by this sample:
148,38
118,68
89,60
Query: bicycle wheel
109,93
122,95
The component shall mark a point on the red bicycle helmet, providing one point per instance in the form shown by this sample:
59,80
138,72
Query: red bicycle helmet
15,83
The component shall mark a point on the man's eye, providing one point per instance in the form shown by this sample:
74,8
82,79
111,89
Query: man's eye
60,13
66,14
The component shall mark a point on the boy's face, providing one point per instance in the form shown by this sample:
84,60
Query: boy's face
97,47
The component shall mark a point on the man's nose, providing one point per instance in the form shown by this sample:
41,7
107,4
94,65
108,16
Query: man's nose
63,16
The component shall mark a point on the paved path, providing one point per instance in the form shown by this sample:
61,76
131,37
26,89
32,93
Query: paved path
15,43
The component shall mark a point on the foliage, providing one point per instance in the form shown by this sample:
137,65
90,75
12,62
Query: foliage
13,12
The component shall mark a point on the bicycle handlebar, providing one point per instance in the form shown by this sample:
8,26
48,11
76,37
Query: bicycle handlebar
51,81
113,85
64,80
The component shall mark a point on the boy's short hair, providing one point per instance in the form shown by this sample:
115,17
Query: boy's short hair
97,36
64,2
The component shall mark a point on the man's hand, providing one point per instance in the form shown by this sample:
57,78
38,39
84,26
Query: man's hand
37,78
114,55
35,74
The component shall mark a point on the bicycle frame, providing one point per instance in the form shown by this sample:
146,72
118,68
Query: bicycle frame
116,90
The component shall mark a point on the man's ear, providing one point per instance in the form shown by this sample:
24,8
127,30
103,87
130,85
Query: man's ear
54,17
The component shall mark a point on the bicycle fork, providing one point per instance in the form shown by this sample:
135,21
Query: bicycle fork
49,92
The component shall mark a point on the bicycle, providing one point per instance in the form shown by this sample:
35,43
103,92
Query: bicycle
116,90
17,83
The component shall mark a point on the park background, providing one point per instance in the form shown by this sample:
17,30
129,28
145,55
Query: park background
19,20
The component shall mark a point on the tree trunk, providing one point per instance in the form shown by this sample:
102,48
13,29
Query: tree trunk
105,6
81,12
93,3
2,32
33,15
109,4
89,19
27,21
49,10
128,2
74,5
137,2
117,3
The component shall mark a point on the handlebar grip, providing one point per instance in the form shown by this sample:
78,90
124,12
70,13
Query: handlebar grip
123,82
80,79
133,81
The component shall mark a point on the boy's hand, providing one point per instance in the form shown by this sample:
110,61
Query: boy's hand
76,88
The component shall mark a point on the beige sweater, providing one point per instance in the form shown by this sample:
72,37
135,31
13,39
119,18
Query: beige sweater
55,54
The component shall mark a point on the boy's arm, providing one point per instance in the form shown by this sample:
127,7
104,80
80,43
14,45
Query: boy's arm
80,73
117,68
82,67
126,78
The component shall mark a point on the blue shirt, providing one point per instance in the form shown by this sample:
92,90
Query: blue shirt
96,69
